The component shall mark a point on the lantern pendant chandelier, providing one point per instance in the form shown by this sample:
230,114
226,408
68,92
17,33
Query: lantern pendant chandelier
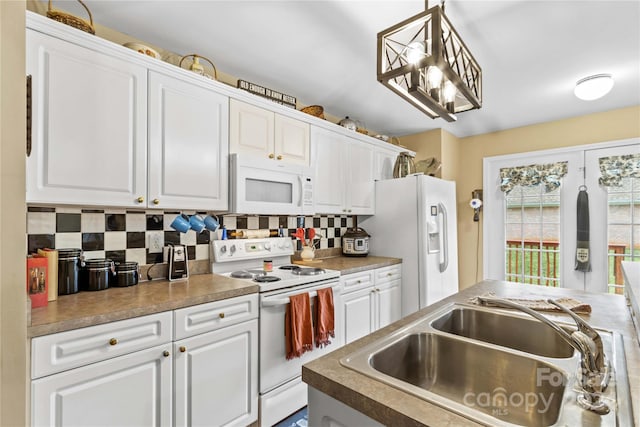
424,60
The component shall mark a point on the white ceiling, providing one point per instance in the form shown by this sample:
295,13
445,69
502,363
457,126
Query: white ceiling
324,52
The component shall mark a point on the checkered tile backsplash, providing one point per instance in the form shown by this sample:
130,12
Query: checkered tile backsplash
125,235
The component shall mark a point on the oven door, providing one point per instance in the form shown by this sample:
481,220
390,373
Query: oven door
275,369
263,186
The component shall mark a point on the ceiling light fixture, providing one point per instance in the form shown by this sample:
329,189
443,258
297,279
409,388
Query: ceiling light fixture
424,60
593,87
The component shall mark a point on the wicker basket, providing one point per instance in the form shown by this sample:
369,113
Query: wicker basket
71,20
314,110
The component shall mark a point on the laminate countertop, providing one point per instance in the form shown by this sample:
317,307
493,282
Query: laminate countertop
93,308
348,265
391,406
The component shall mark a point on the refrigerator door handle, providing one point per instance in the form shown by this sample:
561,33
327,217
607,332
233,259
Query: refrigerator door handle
445,239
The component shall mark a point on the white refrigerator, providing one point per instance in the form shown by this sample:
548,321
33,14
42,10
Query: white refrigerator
415,219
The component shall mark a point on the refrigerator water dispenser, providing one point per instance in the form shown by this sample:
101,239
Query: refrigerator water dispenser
433,231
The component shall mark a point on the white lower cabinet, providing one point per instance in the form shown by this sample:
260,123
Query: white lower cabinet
216,377
372,300
117,374
324,410
135,373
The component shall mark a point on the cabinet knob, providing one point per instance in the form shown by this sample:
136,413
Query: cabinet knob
349,210
271,155
183,349
389,274
279,157
359,281
113,341
166,353
140,199
156,201
221,315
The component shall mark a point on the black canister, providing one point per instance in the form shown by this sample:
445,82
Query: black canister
69,263
127,274
97,274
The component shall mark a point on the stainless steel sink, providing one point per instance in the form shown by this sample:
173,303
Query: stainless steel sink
447,366
493,380
520,333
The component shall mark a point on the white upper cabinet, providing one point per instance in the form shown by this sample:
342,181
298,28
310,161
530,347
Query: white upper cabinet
188,150
89,131
263,133
344,174
384,162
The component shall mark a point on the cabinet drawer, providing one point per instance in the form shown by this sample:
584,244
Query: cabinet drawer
388,274
357,281
203,318
66,350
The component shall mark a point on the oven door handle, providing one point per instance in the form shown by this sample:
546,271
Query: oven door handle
284,301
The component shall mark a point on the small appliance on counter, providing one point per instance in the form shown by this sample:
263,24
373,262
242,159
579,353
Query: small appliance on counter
177,258
355,242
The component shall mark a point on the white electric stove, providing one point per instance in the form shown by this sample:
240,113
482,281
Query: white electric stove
244,259
282,391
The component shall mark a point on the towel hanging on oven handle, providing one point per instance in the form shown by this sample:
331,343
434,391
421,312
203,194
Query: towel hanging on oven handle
583,258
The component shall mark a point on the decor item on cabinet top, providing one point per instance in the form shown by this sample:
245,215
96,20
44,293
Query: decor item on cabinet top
424,60
429,166
270,94
143,49
314,110
404,165
71,20
197,67
348,123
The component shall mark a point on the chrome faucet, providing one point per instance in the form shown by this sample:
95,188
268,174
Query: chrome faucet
595,369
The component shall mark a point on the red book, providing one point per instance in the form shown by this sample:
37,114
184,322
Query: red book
37,281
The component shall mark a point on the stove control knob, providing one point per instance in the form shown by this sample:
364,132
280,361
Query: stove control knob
281,245
287,244
223,249
267,246
232,249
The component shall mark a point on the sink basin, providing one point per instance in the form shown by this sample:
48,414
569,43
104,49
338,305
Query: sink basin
494,368
486,377
520,333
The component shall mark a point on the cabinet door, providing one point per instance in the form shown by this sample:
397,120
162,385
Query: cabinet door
251,129
360,183
89,128
291,140
188,151
216,377
384,162
130,390
389,303
329,164
359,314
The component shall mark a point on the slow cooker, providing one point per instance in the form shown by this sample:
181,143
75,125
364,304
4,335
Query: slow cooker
355,242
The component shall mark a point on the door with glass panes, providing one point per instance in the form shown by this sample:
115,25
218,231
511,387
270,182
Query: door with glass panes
531,199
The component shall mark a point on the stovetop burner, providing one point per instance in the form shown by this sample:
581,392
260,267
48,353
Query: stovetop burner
263,279
289,267
243,274
308,271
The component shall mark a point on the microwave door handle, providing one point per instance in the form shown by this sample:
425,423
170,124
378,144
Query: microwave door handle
301,184
267,302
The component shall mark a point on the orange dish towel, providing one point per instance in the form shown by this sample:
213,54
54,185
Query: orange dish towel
298,331
324,317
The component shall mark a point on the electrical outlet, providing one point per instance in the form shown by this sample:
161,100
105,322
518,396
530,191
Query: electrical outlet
155,243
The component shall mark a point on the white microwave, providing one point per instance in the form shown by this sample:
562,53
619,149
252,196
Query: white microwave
270,187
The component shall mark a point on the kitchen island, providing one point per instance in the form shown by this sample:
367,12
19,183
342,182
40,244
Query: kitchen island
387,405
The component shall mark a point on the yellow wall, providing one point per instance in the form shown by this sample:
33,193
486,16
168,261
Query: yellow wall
593,128
13,296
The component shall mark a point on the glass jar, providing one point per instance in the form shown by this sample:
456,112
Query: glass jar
404,165
69,263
